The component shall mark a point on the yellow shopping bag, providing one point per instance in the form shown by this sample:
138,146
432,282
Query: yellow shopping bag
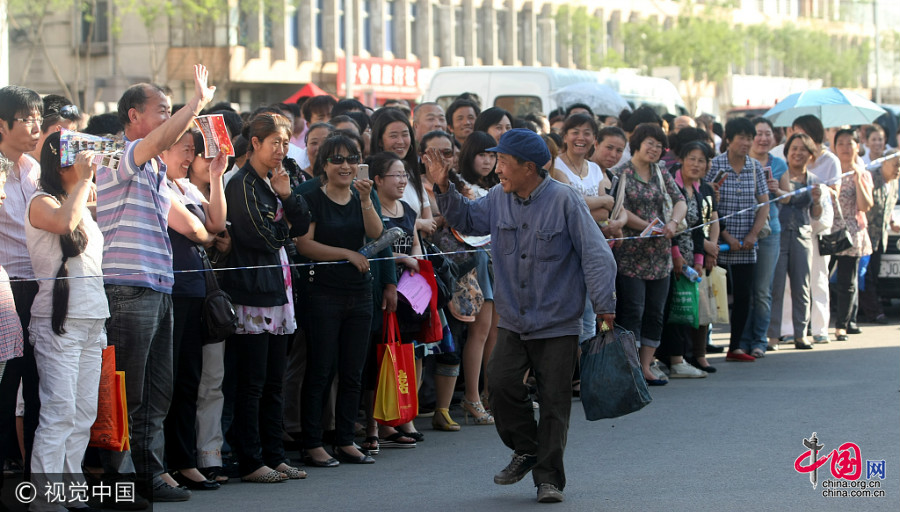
396,398
719,286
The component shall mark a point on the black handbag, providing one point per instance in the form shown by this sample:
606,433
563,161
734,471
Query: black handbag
445,272
837,241
218,316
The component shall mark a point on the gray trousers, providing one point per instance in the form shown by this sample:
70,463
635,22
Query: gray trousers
552,361
210,402
794,260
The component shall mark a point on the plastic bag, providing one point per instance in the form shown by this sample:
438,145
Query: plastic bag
612,382
684,303
719,285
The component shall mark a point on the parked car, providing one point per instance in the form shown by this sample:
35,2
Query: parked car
889,273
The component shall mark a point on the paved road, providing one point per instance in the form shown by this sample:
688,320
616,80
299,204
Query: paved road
723,443
727,442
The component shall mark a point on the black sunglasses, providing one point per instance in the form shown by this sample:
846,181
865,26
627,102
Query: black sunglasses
340,159
69,112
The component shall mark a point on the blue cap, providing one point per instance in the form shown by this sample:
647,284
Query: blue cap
524,144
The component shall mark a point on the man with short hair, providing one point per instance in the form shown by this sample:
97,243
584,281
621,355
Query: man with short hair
681,122
461,115
132,211
318,109
21,112
548,254
428,117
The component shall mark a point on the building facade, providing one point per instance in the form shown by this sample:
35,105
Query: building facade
261,51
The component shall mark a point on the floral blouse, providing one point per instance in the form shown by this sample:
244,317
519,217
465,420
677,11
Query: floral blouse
854,220
647,258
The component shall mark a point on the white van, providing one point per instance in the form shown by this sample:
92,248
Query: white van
519,90
638,90
522,90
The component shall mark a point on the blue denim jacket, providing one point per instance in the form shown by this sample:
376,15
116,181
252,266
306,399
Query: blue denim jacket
547,251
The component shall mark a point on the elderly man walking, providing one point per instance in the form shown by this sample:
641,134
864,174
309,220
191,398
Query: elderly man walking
548,253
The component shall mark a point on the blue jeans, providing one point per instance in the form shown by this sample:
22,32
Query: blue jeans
761,304
140,327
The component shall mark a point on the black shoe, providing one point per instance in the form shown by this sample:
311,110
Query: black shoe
854,330
343,456
165,493
204,485
548,493
329,463
693,362
516,470
714,349
881,319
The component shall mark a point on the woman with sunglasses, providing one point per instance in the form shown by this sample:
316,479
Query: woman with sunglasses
338,302
59,114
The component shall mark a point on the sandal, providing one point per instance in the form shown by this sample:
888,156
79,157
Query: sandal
291,472
418,436
757,353
272,477
214,473
370,445
395,441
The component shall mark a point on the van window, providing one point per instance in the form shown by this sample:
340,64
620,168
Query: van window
445,101
519,105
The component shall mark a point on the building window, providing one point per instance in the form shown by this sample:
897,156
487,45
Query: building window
293,35
389,12
365,8
461,28
340,17
413,11
502,28
268,36
317,15
95,25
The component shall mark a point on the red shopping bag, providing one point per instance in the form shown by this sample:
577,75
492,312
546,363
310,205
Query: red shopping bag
110,429
396,397
432,330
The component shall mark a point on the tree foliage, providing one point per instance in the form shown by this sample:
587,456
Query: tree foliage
706,46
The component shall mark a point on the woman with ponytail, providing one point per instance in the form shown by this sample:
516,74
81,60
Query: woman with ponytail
68,316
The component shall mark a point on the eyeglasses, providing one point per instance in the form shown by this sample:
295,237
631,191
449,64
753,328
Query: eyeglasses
652,144
340,159
30,121
401,177
448,153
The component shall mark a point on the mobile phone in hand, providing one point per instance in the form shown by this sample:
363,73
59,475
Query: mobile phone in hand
768,170
362,172
719,177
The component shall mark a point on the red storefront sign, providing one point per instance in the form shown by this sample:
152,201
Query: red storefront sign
394,78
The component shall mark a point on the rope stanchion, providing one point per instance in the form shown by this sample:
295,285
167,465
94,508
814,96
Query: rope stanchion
392,258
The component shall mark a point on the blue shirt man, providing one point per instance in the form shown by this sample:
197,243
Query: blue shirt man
547,254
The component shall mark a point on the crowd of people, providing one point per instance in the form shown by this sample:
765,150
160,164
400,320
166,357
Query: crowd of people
94,255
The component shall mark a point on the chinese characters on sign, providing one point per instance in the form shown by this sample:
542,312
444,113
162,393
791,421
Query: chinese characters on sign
395,78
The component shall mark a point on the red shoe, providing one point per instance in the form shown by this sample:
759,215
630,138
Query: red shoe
739,358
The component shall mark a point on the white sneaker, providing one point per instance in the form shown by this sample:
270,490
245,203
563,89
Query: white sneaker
683,370
658,373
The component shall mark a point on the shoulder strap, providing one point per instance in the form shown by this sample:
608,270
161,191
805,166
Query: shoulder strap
212,283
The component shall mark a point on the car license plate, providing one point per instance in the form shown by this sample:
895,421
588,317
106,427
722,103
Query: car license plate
890,266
